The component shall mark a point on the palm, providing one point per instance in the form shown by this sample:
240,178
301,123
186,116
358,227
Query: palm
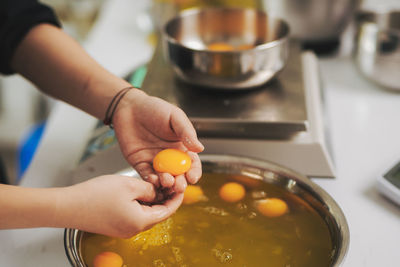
150,125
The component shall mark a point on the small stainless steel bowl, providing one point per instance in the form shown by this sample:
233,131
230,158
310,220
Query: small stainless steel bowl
188,36
377,52
268,172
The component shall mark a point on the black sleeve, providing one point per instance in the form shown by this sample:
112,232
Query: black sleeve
17,17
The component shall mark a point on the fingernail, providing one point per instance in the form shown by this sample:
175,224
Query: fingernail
201,145
161,213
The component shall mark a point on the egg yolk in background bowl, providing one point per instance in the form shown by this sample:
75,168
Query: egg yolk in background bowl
107,259
232,192
193,194
216,232
220,47
272,207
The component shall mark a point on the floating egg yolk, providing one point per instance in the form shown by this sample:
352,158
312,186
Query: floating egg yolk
272,207
232,192
193,194
220,47
172,161
107,259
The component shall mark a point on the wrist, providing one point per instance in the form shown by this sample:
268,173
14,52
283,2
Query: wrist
134,96
69,207
126,97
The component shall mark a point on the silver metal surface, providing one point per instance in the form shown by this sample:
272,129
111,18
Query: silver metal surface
314,20
187,37
377,53
274,110
72,246
269,172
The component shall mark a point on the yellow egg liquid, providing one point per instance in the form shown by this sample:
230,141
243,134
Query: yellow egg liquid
217,233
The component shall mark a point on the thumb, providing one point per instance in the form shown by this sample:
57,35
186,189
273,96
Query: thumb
157,213
144,191
185,131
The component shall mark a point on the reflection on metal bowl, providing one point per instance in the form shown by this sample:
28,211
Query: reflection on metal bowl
378,47
255,171
228,48
314,20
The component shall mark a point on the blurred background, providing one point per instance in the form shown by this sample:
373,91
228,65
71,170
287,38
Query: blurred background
23,109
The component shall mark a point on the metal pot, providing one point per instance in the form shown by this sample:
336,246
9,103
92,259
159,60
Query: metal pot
291,181
377,52
187,38
314,20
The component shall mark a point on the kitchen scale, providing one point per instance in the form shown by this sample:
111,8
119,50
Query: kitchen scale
281,121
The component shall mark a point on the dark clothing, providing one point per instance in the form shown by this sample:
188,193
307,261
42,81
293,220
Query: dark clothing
17,17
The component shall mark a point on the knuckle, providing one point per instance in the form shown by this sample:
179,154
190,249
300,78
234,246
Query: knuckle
149,187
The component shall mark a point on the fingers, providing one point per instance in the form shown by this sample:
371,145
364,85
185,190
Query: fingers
157,213
146,171
195,172
144,191
166,180
180,184
153,179
184,129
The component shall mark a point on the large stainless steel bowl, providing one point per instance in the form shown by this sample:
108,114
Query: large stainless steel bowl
188,36
377,53
291,181
314,20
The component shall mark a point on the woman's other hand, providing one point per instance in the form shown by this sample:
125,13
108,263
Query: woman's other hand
113,205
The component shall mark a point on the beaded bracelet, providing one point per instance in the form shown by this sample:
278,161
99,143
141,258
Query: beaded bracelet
113,106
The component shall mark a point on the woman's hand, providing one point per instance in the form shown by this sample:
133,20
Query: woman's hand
113,205
145,125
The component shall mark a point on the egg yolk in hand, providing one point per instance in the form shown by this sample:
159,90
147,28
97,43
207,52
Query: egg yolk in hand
172,161
272,207
232,192
193,194
107,259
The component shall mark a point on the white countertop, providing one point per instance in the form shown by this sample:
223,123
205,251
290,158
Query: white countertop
364,129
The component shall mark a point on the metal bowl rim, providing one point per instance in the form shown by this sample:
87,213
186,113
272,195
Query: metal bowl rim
194,11
374,18
289,173
260,164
